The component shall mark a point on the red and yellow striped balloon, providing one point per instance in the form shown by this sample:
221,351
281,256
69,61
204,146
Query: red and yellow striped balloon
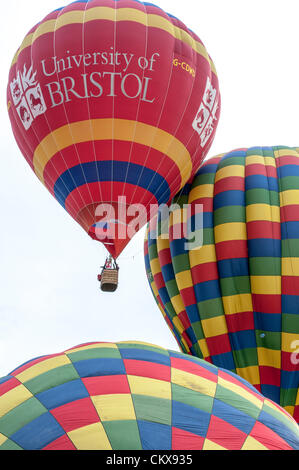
112,102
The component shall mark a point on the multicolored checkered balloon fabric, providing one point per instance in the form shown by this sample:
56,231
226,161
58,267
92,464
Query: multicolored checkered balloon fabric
132,395
235,301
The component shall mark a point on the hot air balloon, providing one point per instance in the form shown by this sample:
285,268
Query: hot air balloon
233,299
114,104
132,395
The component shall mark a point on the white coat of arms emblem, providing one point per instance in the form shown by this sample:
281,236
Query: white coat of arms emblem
203,123
27,96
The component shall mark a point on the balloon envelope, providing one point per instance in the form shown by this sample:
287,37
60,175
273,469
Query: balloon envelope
234,301
132,395
113,103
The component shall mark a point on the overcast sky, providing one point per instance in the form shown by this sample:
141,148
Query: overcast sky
50,298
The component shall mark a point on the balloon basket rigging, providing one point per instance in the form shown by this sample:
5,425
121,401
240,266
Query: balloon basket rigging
109,275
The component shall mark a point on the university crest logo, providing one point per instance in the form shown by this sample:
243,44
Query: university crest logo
203,123
27,96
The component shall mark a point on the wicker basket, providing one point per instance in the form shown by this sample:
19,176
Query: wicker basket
109,280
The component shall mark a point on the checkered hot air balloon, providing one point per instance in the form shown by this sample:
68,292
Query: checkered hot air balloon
234,298
103,98
132,395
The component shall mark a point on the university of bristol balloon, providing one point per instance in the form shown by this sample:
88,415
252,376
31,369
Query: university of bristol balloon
113,104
